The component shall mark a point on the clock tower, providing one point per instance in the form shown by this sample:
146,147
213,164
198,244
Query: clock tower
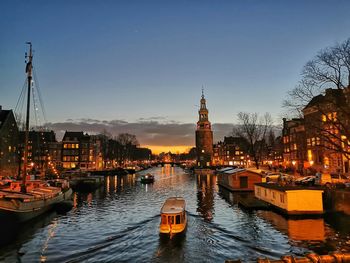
204,136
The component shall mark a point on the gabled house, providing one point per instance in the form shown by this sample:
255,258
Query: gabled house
9,156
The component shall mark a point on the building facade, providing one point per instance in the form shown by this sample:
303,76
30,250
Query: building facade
204,136
76,150
9,156
39,143
231,151
320,140
326,124
294,144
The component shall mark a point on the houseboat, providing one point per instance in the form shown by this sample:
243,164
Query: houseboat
237,179
173,216
291,200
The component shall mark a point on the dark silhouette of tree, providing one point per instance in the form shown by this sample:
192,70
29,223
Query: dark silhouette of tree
254,131
330,68
323,97
128,142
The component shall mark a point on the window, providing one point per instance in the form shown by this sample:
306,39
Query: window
164,221
178,220
282,198
313,141
273,195
171,220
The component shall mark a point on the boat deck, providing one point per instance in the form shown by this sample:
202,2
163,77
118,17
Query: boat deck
37,193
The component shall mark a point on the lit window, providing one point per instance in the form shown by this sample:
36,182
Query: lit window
313,141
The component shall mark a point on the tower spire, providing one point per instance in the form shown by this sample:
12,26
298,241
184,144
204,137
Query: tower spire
204,135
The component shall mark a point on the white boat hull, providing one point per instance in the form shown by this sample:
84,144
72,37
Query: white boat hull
20,210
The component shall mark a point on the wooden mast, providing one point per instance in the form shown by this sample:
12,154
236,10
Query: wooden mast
29,68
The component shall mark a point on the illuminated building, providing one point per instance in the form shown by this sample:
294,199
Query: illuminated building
8,143
204,136
75,150
231,151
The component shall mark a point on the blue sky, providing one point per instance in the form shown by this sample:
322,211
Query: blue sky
147,60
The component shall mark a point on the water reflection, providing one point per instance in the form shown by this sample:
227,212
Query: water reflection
205,196
120,223
116,184
296,229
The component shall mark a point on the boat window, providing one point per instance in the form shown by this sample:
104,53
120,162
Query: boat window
171,219
164,219
178,219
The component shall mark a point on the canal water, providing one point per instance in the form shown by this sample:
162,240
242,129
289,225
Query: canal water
119,223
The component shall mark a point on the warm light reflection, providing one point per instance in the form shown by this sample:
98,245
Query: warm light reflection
107,184
89,199
50,235
75,200
297,229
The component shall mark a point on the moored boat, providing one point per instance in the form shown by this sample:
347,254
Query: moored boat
147,178
173,216
39,198
26,199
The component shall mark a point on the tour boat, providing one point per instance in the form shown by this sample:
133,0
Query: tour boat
173,216
147,178
25,199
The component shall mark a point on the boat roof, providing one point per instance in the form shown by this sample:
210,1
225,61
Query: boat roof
173,205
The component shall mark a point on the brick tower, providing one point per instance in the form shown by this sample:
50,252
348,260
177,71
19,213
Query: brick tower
204,136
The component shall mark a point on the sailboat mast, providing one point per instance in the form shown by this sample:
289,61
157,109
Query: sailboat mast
29,82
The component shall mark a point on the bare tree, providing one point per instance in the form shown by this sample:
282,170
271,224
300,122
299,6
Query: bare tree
254,131
128,143
323,97
330,68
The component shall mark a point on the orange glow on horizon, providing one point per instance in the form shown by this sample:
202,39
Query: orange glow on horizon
157,149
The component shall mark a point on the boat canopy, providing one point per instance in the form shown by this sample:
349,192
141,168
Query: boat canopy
173,205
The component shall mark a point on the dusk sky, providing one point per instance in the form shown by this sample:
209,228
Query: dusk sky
139,66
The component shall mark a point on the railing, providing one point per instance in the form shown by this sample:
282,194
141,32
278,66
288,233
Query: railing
309,258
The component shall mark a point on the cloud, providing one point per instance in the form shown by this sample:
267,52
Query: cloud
156,131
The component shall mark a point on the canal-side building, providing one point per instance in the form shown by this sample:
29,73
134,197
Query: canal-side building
294,143
75,150
204,136
231,151
39,143
326,120
8,143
